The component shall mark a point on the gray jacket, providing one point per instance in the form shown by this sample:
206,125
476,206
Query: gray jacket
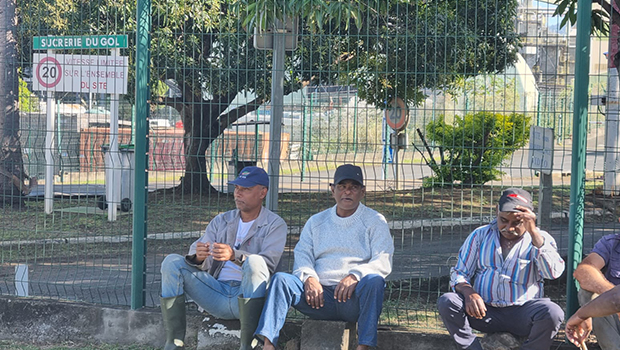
266,237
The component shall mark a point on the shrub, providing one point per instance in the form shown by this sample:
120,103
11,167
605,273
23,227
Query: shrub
471,150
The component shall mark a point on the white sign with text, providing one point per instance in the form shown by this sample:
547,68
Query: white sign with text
80,73
541,149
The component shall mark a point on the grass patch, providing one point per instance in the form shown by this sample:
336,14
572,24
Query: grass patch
172,212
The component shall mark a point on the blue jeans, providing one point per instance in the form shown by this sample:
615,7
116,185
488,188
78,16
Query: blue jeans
286,290
218,298
537,319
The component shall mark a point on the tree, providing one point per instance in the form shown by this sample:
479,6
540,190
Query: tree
600,18
385,48
12,176
471,150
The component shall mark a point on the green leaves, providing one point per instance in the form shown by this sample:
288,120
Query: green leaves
568,10
475,145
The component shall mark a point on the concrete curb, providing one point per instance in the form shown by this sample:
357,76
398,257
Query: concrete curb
53,321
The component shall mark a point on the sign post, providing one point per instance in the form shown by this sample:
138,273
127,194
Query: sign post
397,117
541,160
82,74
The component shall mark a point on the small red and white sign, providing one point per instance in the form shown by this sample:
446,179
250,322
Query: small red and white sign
80,73
396,115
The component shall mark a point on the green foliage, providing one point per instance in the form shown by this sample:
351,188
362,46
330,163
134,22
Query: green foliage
600,16
383,48
28,102
429,44
473,147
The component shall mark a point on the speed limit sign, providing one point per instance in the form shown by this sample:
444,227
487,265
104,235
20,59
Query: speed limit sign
396,115
48,73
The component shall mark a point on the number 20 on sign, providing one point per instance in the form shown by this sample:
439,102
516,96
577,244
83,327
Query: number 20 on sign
48,72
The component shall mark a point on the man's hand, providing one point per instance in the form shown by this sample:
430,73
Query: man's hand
474,305
202,252
314,293
528,218
345,288
222,252
577,330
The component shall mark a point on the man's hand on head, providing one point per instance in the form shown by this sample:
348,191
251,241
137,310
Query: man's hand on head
313,291
222,252
528,218
345,288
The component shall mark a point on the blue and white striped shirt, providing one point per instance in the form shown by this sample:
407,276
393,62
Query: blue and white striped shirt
511,281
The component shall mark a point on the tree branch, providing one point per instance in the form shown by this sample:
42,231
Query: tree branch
432,163
233,115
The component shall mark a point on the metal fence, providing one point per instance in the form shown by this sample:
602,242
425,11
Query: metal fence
210,114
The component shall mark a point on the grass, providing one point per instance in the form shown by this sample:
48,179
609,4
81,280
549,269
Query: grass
173,212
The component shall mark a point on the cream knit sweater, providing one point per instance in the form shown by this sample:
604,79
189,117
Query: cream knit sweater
331,247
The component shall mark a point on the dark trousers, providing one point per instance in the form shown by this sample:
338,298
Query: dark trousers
538,320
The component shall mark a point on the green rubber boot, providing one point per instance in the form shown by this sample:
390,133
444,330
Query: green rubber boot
250,310
173,312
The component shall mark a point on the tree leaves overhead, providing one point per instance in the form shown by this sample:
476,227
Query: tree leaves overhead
385,48
567,9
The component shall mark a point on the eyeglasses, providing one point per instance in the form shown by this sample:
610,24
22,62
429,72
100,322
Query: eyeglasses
515,224
350,187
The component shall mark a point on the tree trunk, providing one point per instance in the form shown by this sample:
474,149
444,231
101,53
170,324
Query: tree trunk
11,163
202,130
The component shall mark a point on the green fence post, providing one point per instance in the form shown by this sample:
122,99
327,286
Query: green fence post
138,251
580,113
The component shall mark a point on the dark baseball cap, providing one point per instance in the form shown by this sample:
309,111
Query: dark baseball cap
513,197
349,172
251,176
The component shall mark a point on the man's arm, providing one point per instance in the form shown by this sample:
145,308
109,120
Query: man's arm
303,266
578,327
588,274
382,249
271,248
549,262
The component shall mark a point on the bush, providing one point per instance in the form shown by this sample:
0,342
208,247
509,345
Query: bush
471,150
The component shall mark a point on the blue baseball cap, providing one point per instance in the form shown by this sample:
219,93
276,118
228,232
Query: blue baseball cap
251,176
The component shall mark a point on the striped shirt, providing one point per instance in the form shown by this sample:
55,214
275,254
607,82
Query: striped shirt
511,281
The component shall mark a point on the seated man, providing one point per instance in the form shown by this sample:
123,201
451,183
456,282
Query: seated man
578,327
341,261
498,279
605,256
227,269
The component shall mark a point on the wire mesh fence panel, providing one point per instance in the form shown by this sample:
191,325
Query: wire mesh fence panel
435,101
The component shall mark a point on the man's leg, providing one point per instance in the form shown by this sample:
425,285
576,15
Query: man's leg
364,307
217,298
606,329
451,307
284,290
537,320
255,277
252,297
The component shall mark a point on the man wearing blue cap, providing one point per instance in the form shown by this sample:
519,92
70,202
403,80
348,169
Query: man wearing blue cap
226,271
498,279
342,258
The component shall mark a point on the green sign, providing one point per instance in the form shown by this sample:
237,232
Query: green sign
79,42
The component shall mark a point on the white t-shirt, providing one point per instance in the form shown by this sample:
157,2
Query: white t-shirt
231,271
